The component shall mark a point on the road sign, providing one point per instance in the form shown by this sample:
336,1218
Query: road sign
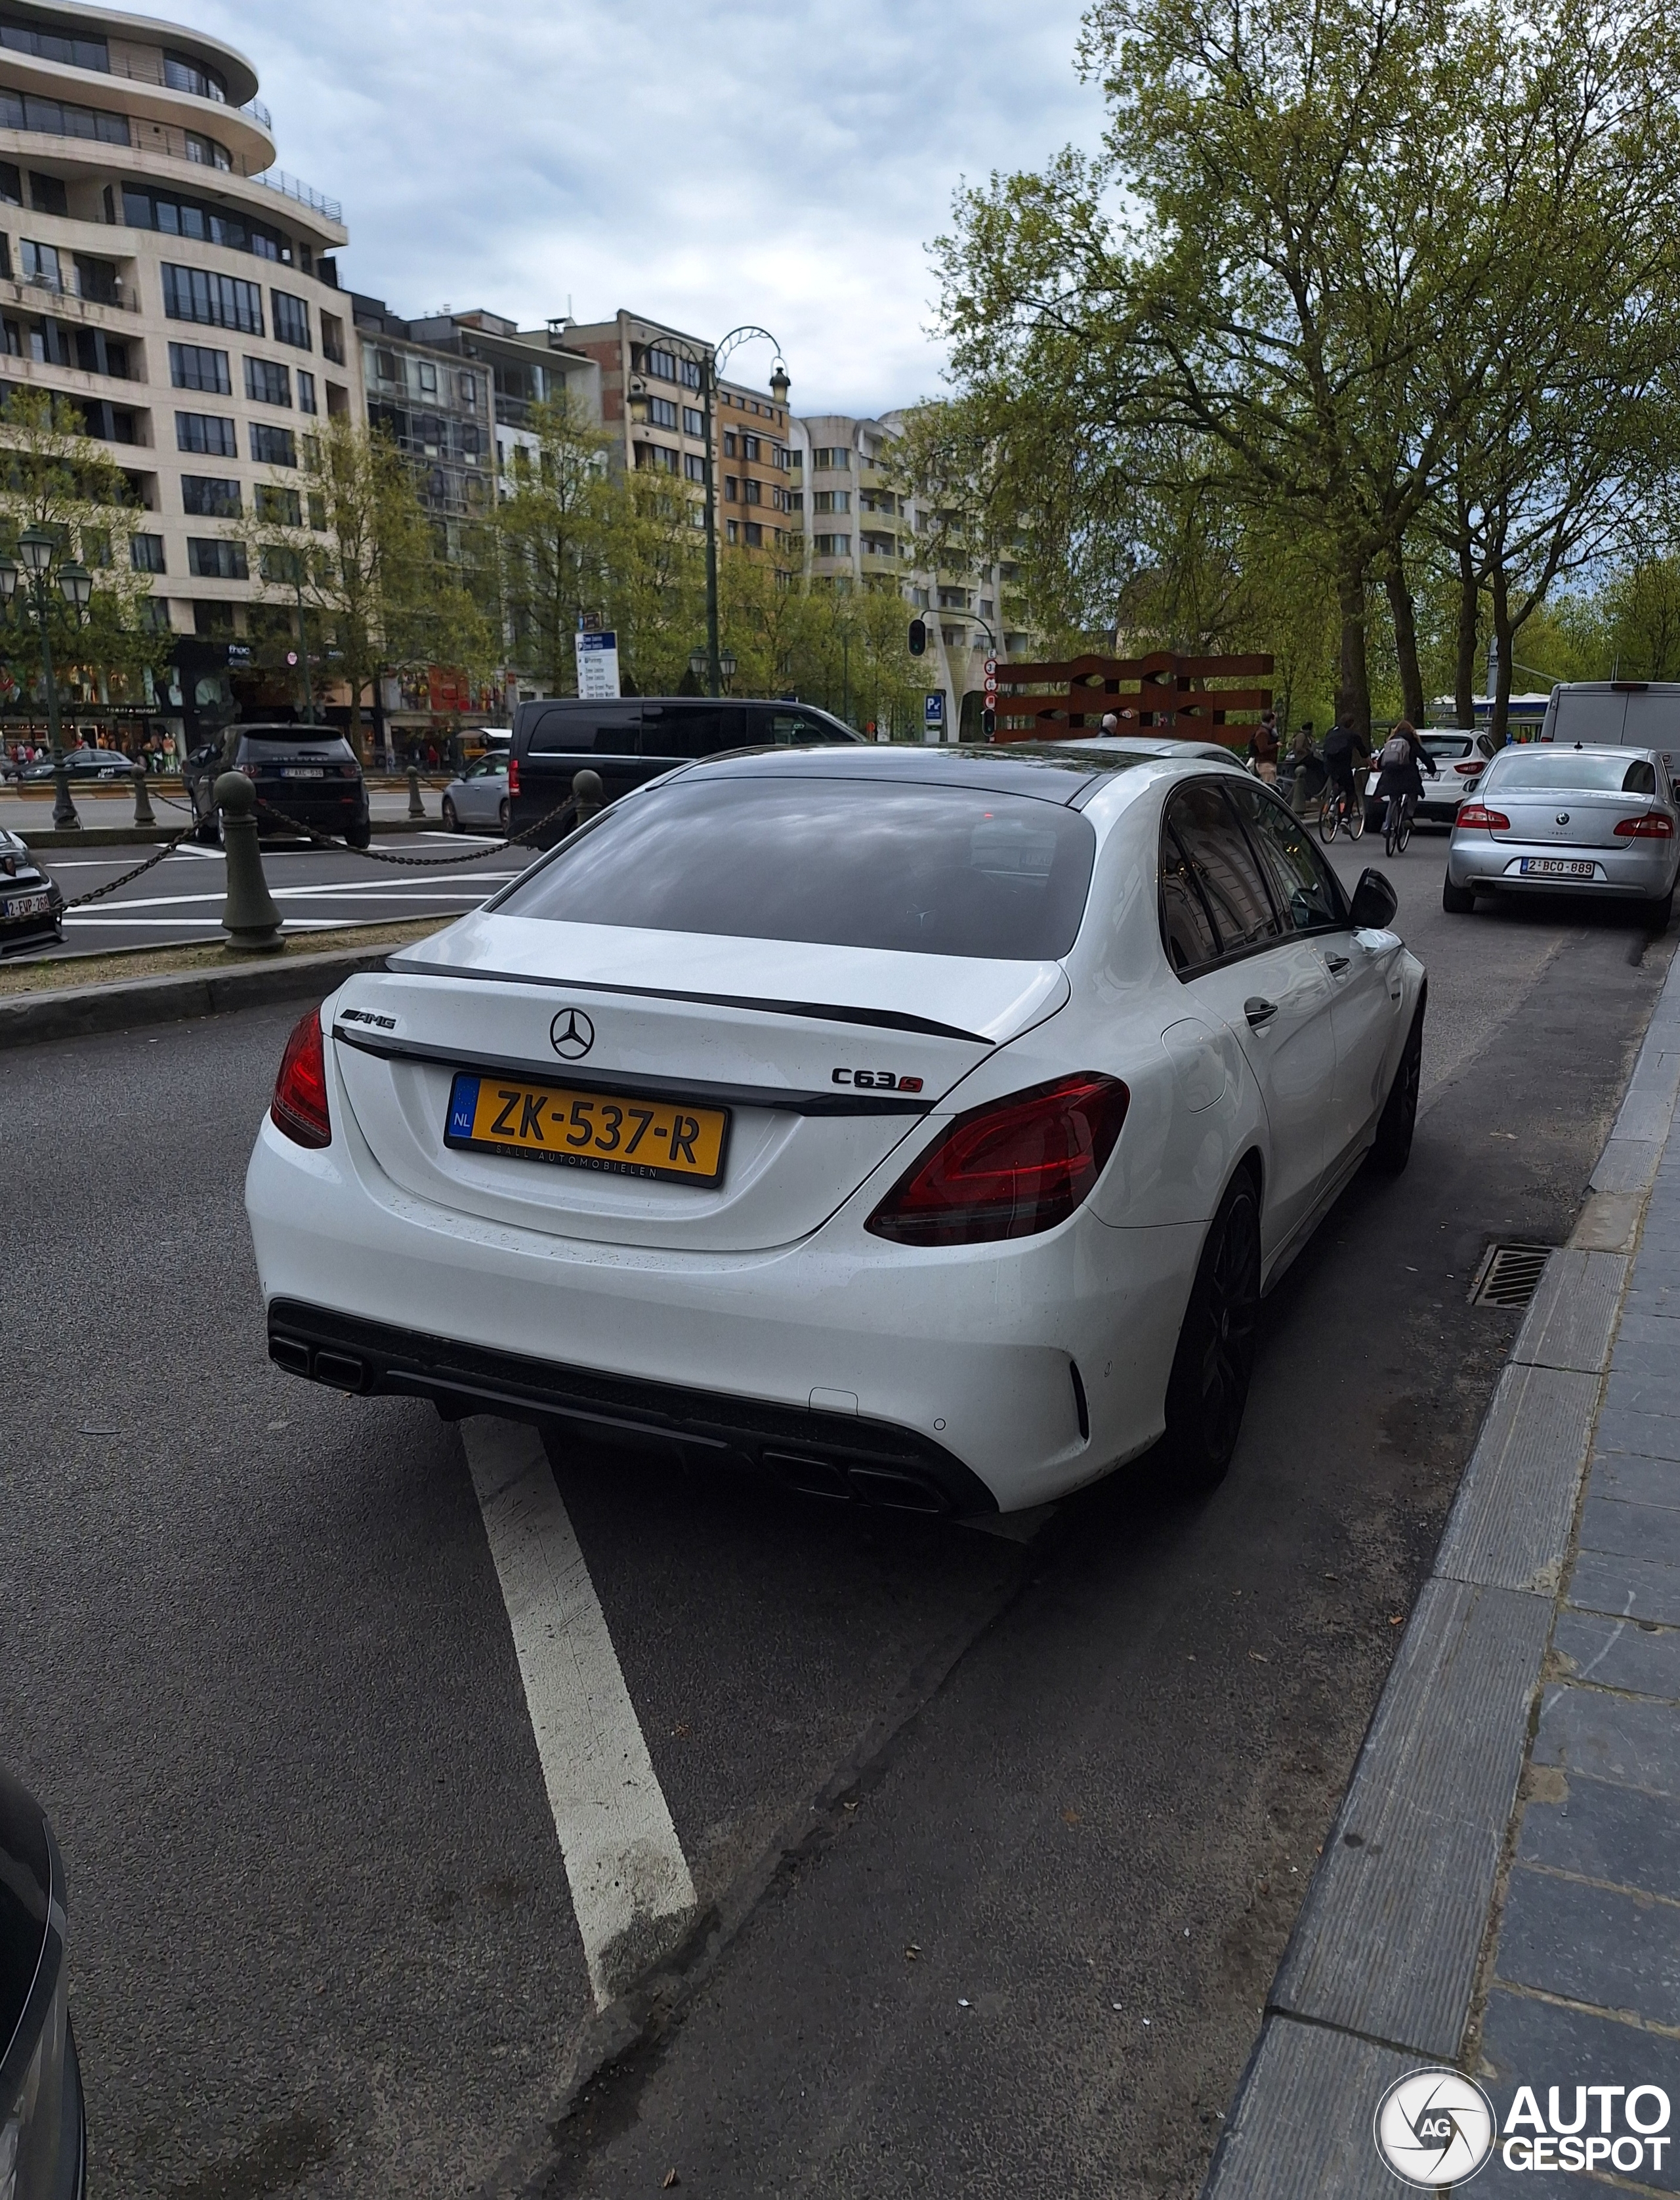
990,671
598,666
932,709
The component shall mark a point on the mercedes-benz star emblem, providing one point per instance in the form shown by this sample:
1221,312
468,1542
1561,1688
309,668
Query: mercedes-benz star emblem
571,1034
1563,817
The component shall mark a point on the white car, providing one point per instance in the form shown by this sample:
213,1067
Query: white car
918,1126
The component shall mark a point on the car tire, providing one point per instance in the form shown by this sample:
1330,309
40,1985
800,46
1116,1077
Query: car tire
1457,901
1208,1386
450,822
359,836
503,815
1659,913
1391,1149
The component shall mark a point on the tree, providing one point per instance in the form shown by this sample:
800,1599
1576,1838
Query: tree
56,479
556,533
1308,260
347,541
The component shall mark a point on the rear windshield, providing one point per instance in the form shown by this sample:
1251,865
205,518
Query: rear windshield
1447,744
1544,771
930,871
325,748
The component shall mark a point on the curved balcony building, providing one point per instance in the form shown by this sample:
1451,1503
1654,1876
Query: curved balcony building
157,268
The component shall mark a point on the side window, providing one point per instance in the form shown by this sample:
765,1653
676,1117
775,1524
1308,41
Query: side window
1222,865
1302,884
690,730
792,728
1639,778
1186,928
605,728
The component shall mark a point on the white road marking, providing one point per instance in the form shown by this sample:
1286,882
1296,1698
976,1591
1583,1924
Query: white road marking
630,1883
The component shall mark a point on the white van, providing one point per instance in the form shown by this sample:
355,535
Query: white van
1640,714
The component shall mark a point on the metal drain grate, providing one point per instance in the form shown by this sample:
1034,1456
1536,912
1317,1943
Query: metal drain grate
1509,1275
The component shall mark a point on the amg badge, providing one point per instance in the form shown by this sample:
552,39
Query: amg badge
878,1081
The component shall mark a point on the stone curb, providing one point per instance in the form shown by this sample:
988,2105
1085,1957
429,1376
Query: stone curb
82,1011
1381,1969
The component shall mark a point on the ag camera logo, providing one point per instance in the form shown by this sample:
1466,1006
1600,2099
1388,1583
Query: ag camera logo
1435,2128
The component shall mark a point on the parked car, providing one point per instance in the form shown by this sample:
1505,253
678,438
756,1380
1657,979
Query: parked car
32,907
1161,745
1642,714
303,772
479,796
86,766
915,1125
1600,821
631,741
42,2116
1460,758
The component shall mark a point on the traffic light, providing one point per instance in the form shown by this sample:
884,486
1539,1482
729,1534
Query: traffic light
988,723
918,637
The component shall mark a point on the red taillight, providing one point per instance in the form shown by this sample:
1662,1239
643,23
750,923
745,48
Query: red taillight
1473,770
1008,1170
1655,825
513,775
299,1106
1478,814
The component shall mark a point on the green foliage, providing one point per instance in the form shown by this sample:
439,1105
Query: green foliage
350,546
57,479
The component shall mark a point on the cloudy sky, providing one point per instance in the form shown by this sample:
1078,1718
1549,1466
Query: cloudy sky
778,161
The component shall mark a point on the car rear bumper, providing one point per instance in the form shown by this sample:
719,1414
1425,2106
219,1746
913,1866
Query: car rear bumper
1637,873
950,1368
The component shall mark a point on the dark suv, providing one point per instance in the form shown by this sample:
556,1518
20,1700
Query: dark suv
302,772
633,740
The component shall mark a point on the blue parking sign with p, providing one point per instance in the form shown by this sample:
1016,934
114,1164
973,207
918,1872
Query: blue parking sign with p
933,710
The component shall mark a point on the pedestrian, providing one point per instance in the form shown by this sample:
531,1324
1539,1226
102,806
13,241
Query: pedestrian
1263,747
1306,774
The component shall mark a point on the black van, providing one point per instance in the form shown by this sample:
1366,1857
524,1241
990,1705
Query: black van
635,739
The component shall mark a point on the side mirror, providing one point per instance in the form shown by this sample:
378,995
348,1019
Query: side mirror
1374,902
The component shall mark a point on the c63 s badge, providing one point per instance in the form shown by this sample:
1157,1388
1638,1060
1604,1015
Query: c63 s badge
877,1080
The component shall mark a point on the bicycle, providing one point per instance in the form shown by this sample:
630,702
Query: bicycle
1397,823
1341,809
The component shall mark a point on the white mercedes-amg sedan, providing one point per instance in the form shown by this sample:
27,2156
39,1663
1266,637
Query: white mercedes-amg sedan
915,1126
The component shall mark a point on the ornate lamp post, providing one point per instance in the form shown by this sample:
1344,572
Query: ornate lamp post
38,550
709,361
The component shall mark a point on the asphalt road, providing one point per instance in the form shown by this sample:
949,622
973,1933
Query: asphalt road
996,1841
316,889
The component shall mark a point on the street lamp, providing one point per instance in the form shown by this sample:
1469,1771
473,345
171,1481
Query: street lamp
709,360
38,550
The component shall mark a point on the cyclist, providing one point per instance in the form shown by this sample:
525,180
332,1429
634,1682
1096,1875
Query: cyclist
1344,747
1400,760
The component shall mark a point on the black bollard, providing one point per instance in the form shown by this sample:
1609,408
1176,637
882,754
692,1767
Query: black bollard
416,807
588,794
250,917
143,798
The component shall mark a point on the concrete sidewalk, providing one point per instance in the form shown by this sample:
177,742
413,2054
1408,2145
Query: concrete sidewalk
1500,1892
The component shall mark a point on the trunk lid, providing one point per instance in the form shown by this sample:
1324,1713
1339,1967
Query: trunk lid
1572,817
812,1050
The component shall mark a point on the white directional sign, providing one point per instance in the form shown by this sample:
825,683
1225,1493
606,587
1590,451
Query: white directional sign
598,666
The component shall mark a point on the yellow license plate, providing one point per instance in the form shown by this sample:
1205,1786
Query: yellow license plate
608,1131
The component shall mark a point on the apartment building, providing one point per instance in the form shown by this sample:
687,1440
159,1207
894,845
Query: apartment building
859,529
753,483
160,272
651,403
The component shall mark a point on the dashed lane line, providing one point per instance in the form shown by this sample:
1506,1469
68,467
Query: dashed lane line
631,1887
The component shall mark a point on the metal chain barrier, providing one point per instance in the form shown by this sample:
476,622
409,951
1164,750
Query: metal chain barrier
418,863
99,893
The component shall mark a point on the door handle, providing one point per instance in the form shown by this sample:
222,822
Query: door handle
1259,1012
1336,964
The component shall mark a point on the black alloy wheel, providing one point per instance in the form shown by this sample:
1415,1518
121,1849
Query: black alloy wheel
1209,1387
1391,1149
